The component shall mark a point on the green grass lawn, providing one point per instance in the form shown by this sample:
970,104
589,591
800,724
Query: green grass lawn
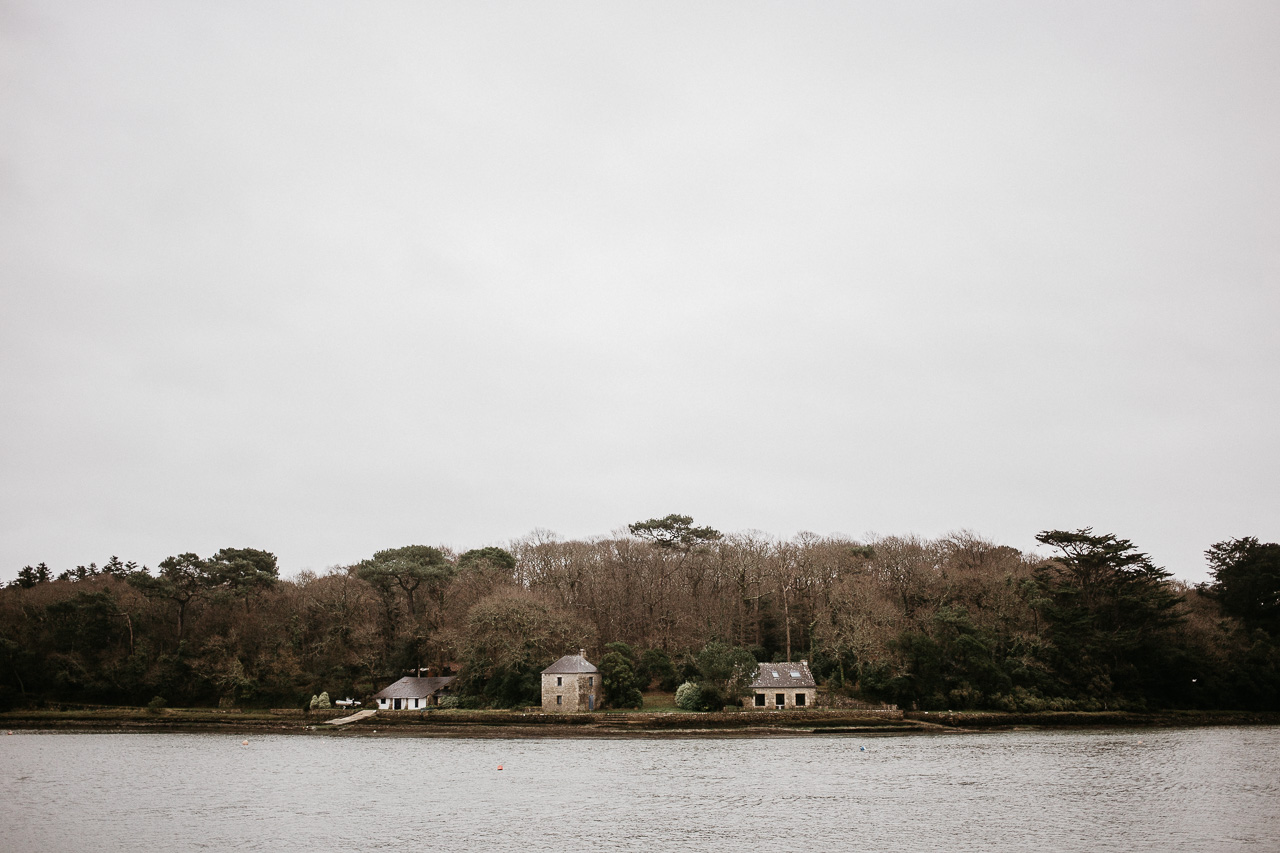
658,701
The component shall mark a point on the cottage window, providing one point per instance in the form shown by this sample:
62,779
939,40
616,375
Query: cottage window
799,699
559,699
591,681
559,681
759,700
780,699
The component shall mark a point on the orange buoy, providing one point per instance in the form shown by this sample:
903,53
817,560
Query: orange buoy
244,743
499,766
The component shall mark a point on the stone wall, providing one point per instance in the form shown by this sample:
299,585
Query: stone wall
317,714
837,700
789,698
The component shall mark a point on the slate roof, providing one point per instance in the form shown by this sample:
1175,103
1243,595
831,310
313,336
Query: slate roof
413,687
788,674
570,665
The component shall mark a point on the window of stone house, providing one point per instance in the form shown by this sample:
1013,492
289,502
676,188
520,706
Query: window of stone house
591,681
799,699
759,700
559,681
780,699
559,699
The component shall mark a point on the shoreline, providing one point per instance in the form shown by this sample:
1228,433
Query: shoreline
638,724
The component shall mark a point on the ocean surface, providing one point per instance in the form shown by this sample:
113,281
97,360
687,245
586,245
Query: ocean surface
1209,789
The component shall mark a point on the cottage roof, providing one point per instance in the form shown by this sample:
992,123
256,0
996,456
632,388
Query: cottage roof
788,674
570,665
413,687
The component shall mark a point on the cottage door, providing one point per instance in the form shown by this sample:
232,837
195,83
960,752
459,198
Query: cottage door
591,702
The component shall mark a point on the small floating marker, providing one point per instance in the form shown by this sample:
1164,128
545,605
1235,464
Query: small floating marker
862,749
244,743
499,766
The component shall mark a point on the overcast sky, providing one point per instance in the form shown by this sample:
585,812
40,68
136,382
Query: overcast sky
327,278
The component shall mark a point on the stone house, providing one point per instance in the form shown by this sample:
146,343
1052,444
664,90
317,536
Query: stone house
570,684
783,685
413,692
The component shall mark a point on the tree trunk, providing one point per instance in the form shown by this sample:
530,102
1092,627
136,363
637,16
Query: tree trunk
786,619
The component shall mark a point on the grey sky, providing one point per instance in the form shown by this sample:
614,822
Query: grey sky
327,278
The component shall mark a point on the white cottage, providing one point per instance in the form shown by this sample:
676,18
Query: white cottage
783,685
413,692
571,684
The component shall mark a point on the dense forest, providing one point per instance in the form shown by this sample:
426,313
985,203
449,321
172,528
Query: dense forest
958,622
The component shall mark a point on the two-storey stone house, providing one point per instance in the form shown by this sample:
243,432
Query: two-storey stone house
571,684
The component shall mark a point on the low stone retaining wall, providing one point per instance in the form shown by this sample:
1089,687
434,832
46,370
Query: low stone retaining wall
326,714
639,720
833,700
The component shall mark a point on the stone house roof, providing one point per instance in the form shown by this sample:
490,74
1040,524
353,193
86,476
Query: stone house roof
413,687
788,674
571,665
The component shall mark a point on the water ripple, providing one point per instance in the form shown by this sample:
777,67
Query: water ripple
1201,790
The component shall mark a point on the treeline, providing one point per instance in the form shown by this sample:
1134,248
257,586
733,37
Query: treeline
953,623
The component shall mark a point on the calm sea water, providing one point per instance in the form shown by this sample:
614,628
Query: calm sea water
1150,790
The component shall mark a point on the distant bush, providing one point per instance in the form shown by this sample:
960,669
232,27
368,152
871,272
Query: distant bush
711,697
689,696
156,705
1020,700
448,702
322,701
